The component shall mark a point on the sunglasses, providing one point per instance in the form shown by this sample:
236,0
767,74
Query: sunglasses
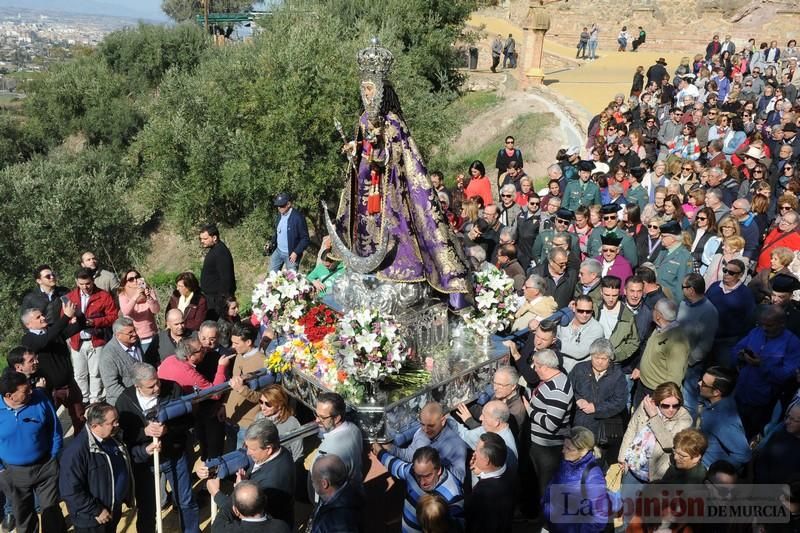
653,226
786,208
688,168
758,172
534,203
134,278
264,402
701,218
509,142
609,217
669,405
584,311
562,221
605,250
731,272
49,276
788,167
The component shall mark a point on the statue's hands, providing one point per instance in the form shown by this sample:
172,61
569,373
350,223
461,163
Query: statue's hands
349,149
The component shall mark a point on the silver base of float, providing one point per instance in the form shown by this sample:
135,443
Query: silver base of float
461,366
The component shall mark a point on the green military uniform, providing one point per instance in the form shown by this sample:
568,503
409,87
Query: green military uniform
628,247
578,193
543,244
672,266
638,195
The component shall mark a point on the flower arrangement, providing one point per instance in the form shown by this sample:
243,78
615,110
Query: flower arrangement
281,299
318,322
276,363
316,359
495,302
370,347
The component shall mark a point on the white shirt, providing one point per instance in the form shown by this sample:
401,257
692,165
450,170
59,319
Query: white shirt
251,353
133,351
146,403
489,475
609,319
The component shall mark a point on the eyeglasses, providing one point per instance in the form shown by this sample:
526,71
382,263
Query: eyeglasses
706,385
322,418
561,265
562,221
758,171
669,405
786,208
609,217
507,195
509,142
701,218
685,287
49,276
610,249
688,168
584,311
731,272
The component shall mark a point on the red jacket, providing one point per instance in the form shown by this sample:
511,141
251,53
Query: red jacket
101,309
187,376
776,239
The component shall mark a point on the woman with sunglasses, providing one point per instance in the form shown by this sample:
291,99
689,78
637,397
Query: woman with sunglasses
787,173
643,454
274,405
139,302
648,243
703,229
732,248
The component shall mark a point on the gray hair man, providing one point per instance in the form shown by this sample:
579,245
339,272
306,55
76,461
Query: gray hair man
550,407
666,354
589,275
247,509
118,357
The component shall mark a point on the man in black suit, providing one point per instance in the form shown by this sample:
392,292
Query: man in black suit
247,513
48,342
340,505
139,433
490,507
46,297
272,470
217,278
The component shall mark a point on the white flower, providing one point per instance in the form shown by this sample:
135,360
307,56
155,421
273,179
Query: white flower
367,342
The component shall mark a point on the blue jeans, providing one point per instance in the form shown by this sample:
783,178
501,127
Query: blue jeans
178,474
279,259
690,389
592,49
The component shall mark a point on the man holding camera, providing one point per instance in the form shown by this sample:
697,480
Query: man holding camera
138,408
291,236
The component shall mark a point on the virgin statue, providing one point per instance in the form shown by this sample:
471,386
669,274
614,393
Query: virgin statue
389,220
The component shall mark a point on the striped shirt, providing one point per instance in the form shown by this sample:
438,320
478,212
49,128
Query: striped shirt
551,406
449,488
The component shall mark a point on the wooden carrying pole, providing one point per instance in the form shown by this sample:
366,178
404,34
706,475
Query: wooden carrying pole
157,478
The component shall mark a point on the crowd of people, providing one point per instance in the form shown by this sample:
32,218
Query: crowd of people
656,337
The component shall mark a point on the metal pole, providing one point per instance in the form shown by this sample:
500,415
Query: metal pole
157,478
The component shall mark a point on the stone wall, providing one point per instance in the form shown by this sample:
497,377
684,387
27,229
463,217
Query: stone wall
680,24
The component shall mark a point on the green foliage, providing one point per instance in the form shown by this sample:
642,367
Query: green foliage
55,208
17,143
83,96
144,54
183,10
221,140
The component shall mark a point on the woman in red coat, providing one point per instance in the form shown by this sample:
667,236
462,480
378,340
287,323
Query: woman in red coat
188,298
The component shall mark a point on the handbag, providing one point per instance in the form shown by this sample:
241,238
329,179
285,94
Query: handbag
610,429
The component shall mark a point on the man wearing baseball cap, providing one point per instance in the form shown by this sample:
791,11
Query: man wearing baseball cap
290,238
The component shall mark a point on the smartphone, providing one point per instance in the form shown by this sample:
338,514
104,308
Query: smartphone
142,283
64,300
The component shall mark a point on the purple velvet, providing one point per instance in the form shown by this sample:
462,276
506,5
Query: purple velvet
420,248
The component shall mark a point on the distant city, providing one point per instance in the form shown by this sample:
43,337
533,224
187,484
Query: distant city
31,40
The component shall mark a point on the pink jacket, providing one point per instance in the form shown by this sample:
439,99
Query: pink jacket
186,375
143,314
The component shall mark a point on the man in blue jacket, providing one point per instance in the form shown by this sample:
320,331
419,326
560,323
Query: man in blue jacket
719,419
30,440
96,476
291,236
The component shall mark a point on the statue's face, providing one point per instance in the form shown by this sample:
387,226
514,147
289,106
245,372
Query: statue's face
368,92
